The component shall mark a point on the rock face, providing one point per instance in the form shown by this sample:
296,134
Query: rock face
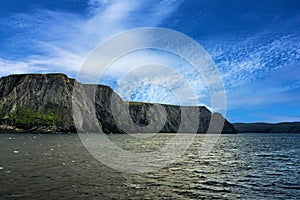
284,127
43,103
36,102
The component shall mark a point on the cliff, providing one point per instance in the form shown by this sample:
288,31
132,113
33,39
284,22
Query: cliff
284,127
43,103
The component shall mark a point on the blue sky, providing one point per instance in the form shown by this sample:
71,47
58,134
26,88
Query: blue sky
255,45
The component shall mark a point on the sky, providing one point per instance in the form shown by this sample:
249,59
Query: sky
254,44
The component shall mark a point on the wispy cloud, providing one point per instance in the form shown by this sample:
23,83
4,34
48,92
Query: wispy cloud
252,58
60,41
258,70
156,76
280,86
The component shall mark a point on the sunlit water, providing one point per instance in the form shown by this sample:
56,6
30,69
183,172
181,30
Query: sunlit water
244,166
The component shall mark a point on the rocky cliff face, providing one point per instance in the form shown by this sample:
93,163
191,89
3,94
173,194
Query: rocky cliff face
43,103
36,102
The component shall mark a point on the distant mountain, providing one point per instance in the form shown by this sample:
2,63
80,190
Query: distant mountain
43,103
284,127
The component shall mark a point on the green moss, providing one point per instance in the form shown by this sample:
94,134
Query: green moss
29,117
2,115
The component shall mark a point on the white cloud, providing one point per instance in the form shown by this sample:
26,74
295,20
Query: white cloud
248,59
156,76
60,41
279,86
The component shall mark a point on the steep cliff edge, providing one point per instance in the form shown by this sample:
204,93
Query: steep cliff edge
43,103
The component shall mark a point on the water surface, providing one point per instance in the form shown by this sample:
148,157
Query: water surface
245,166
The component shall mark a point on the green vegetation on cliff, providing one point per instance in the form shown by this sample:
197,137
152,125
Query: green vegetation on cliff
27,116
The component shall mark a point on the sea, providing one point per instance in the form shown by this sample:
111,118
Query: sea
239,166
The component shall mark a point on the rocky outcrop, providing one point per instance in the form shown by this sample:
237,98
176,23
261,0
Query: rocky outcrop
43,103
284,127
36,102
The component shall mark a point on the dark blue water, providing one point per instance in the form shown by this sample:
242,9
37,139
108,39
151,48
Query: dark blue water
244,166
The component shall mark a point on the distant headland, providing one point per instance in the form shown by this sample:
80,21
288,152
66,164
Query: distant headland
283,127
